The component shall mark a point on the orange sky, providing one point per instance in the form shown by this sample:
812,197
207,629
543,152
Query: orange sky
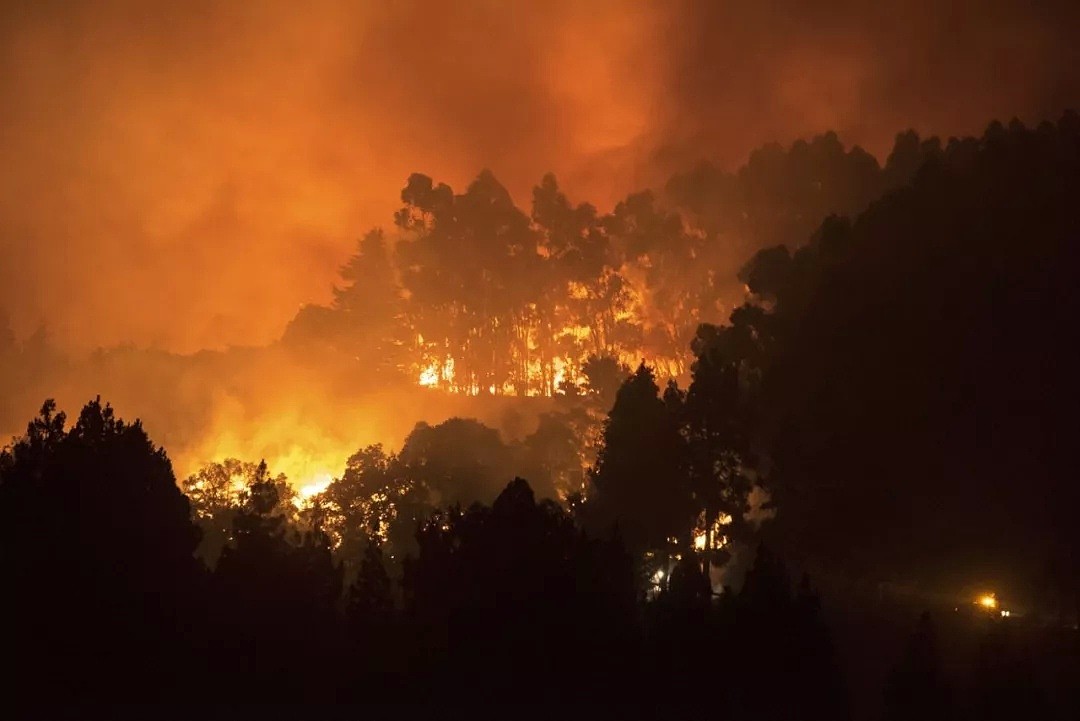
185,175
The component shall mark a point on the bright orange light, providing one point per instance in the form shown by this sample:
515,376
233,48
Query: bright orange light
313,488
702,541
988,601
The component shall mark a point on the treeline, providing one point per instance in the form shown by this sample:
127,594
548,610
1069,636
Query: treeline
507,606
492,604
675,473
480,296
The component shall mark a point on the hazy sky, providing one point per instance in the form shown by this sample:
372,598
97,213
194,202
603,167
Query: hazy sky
184,175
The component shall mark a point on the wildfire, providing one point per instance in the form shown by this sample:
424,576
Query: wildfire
309,490
429,376
700,541
711,538
987,601
437,373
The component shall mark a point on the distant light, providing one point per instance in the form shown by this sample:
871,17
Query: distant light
1005,614
988,601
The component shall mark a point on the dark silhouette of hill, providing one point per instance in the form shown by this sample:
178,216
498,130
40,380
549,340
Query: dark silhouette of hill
918,367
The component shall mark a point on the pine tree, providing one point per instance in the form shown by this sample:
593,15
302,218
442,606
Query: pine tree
640,475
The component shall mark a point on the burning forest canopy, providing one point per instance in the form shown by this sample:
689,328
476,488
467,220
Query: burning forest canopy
529,319
697,276
868,409
470,294
226,158
206,196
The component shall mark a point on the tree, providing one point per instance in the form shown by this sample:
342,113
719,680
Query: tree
365,323
372,615
574,254
663,260
715,418
907,340
218,491
604,376
640,476
371,600
469,272
554,453
284,591
497,592
376,498
93,512
459,461
371,302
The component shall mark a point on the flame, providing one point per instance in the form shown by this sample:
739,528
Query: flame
437,373
542,372
988,601
291,439
702,534
429,376
312,488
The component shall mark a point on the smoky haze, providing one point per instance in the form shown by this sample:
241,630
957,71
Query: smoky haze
183,176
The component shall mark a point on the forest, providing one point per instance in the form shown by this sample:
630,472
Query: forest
833,481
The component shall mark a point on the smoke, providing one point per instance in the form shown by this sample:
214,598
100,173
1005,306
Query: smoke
185,175
753,73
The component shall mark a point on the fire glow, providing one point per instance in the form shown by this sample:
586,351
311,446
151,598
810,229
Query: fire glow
307,492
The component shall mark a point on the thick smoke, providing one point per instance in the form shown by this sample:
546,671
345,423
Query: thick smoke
745,74
185,175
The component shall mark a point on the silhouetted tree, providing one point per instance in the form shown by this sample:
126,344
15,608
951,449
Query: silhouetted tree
604,376
555,453
782,643
376,497
217,492
888,332
97,553
372,615
715,417
502,592
640,474
458,460
285,592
